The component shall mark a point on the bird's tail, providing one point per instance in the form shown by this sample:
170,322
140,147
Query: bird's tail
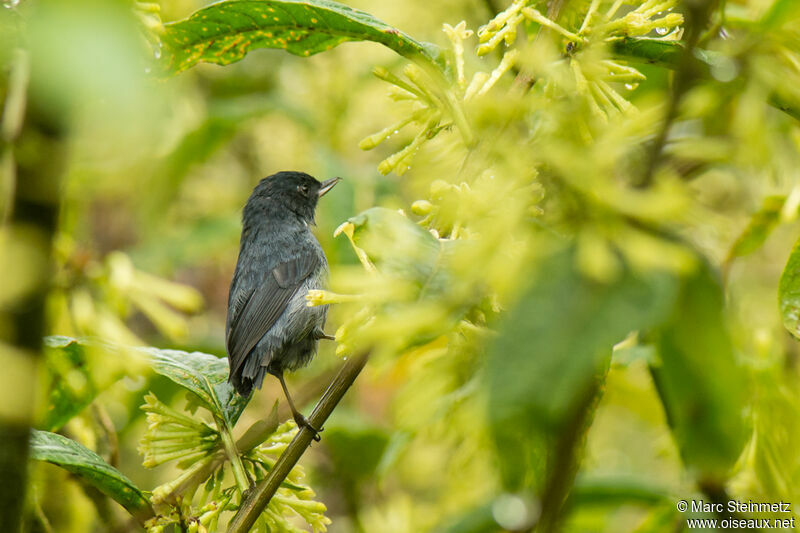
247,376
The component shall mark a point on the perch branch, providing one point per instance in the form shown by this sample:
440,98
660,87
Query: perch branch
258,498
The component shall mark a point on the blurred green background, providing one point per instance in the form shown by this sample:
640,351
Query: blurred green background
590,325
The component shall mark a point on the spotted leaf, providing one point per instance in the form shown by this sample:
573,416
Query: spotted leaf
225,32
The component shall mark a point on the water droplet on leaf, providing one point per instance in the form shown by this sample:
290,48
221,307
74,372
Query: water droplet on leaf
662,31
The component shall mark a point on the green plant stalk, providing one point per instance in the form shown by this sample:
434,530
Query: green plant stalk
192,477
696,19
202,469
242,481
258,499
568,450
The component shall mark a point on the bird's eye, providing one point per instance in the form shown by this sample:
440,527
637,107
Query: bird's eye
303,189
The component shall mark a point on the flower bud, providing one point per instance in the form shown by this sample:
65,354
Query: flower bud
421,207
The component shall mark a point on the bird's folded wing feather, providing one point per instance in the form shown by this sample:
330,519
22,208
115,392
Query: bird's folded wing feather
256,312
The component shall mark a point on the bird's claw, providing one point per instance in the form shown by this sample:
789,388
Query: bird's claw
302,422
319,334
249,490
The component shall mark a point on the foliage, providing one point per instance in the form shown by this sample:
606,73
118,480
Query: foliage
70,455
565,272
204,449
224,32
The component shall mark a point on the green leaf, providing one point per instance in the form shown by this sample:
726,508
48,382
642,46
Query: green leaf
395,243
701,384
72,387
77,371
79,460
657,51
759,228
552,346
203,374
789,292
617,491
225,32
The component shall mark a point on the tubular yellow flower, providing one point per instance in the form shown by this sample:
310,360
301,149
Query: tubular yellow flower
421,207
502,19
321,297
506,63
457,36
534,15
348,228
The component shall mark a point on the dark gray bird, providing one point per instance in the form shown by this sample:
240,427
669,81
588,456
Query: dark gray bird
269,327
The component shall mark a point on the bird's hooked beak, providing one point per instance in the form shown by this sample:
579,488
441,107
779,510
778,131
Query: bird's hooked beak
327,185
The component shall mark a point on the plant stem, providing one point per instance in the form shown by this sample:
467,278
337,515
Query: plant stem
258,499
697,14
567,452
242,481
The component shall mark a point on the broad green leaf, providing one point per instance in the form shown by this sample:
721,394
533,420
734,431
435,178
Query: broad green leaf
79,460
759,228
701,384
789,292
550,349
203,374
225,32
394,243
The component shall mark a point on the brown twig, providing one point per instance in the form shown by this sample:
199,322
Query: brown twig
258,499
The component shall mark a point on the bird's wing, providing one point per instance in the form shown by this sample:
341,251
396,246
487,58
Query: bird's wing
256,311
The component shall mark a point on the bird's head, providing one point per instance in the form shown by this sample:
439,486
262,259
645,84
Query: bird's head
287,193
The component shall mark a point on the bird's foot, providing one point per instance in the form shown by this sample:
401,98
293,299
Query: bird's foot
302,422
319,334
250,489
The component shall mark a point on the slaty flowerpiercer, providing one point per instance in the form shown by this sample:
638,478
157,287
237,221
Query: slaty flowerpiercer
270,328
